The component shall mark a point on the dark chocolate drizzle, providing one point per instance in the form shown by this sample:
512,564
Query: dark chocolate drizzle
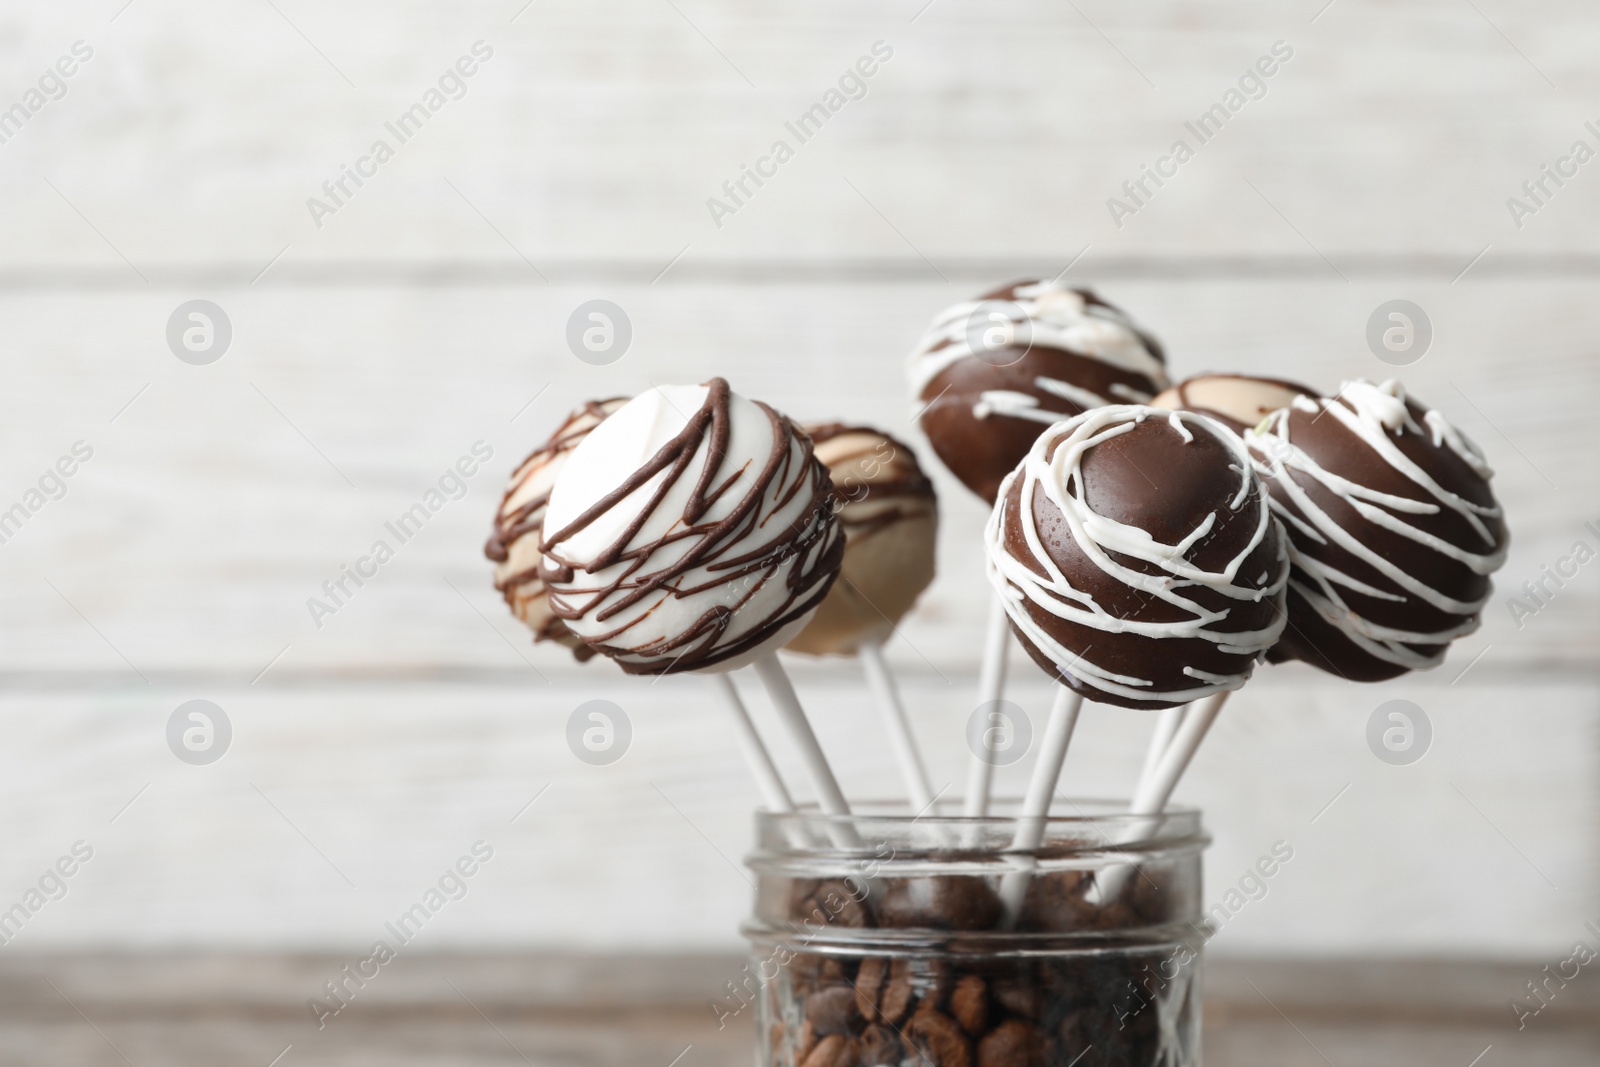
511,524
813,542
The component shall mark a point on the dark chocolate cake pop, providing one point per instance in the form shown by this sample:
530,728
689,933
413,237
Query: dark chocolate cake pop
691,530
1393,530
1137,557
1238,401
514,544
991,374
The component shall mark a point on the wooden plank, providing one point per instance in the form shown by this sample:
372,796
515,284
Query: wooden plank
337,807
602,130
217,502
472,1010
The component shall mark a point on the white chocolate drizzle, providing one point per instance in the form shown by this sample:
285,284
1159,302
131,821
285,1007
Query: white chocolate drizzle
1376,415
1020,582
1057,317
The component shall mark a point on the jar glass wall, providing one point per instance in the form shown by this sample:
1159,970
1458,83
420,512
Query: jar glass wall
883,939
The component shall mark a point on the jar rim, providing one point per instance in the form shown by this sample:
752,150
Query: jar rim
1086,811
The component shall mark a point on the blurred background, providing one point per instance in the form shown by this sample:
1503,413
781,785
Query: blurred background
358,339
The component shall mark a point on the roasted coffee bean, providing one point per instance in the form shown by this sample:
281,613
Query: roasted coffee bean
833,1010
808,1041
1117,915
939,1039
1054,902
1150,896
836,902
969,1004
1021,996
871,978
809,972
1014,1043
880,1047
899,994
951,902
835,1050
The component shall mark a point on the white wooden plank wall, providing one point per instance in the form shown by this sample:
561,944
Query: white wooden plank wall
429,314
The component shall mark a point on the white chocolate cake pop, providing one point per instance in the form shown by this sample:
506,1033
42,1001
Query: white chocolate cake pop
993,373
514,544
1137,557
890,518
1393,530
691,530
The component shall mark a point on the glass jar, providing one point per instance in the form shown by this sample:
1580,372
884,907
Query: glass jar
882,939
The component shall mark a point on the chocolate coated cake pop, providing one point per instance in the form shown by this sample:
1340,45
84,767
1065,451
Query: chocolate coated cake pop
991,374
691,530
890,519
1393,530
514,544
1137,557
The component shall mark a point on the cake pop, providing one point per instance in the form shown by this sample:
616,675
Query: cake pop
691,530
514,543
991,374
890,517
1393,530
1137,557
1238,401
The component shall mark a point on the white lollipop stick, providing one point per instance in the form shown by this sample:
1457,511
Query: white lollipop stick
774,794
1036,802
829,795
901,741
1152,796
1166,726
991,683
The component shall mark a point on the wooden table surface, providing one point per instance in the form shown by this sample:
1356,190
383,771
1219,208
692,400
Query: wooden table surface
554,1011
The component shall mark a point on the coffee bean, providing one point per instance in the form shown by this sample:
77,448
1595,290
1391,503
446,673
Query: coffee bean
1151,897
1117,915
835,902
833,1010
836,1050
969,1004
880,1047
872,976
939,1039
808,1041
810,972
1014,1043
1019,996
951,902
900,992
1055,902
